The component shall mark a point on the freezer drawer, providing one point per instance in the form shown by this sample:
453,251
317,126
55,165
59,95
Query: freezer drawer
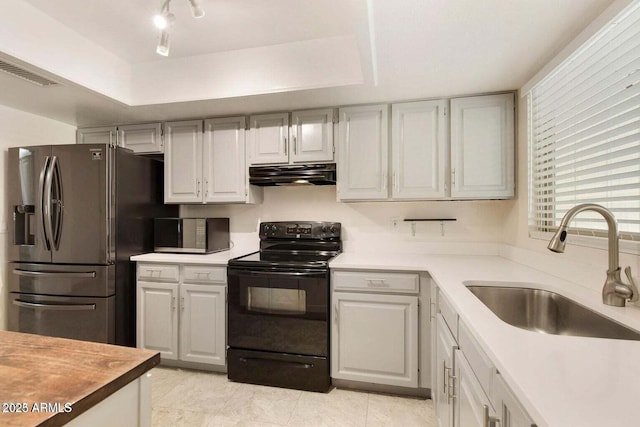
87,319
63,280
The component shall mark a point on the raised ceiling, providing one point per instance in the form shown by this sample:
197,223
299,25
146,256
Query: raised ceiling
256,55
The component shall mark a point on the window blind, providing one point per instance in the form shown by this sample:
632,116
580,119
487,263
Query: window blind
584,133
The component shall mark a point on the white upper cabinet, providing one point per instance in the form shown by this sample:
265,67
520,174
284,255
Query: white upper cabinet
183,162
207,167
142,138
418,150
269,139
363,153
312,136
97,135
482,147
309,139
225,175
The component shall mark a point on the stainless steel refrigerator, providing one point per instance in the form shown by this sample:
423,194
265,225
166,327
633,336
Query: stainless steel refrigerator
78,213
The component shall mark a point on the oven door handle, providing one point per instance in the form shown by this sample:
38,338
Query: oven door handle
60,307
275,362
278,273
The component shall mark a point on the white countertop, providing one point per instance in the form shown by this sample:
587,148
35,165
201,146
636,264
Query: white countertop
561,381
216,258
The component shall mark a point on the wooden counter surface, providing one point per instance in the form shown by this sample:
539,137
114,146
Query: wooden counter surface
36,370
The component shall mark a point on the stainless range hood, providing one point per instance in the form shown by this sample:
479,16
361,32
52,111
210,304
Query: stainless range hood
310,174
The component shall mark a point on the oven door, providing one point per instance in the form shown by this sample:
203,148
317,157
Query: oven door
279,310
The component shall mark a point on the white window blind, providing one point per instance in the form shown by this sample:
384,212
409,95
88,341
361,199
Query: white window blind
584,124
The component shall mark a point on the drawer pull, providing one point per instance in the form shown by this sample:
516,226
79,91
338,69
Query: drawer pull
378,283
59,307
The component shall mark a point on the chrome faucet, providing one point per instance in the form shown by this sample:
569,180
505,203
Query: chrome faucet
615,291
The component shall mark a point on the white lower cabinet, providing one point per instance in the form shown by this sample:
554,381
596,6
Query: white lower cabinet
184,319
377,330
510,411
202,317
130,406
442,391
473,408
158,318
467,390
377,338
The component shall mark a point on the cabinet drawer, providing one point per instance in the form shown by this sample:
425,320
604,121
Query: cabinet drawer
407,283
204,274
449,314
159,272
480,363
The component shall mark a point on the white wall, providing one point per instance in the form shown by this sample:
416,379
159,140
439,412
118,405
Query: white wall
367,226
18,128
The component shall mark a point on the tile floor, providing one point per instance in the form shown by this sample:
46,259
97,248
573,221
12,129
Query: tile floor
190,398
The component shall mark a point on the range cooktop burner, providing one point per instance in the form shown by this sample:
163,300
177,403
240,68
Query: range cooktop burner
267,259
296,244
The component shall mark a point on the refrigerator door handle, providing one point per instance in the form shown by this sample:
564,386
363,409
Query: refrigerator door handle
61,307
62,274
45,201
59,209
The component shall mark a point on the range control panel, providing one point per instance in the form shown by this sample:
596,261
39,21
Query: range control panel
300,230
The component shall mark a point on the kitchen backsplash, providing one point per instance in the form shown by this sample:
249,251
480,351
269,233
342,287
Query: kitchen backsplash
366,224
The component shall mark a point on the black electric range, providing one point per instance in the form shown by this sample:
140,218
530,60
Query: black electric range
278,308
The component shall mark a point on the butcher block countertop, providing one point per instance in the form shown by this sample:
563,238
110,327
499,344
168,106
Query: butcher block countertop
57,379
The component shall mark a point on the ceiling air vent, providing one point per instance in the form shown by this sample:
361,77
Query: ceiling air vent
29,76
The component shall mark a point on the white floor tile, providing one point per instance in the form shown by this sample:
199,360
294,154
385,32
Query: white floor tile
185,398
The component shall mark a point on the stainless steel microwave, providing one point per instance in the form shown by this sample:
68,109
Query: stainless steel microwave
191,235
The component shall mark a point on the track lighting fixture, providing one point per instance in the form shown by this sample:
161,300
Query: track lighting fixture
163,44
196,9
165,19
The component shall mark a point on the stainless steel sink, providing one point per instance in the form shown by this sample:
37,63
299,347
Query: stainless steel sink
548,313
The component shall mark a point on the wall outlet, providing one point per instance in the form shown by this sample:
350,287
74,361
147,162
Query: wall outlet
395,223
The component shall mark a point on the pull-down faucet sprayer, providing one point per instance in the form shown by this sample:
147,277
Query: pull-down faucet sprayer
615,292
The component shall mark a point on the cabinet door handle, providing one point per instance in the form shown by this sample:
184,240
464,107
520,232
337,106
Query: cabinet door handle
173,303
286,150
378,283
452,387
198,187
488,421
453,177
445,378
206,187
182,303
295,145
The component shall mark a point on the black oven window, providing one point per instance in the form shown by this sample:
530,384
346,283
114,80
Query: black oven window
276,300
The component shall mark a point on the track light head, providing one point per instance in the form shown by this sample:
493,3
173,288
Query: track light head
196,9
163,44
165,19
162,21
